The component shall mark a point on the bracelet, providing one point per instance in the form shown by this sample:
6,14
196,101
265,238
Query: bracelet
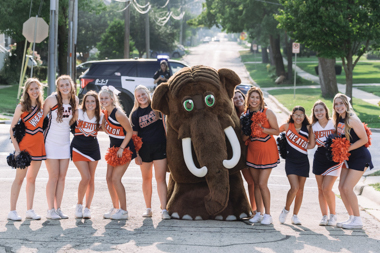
121,148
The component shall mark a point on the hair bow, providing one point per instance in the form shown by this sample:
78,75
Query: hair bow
111,88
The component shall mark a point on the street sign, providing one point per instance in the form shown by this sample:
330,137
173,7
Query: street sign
296,48
29,27
254,47
243,36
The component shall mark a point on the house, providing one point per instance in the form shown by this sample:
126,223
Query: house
5,42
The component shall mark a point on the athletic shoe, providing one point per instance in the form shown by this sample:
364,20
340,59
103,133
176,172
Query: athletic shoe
78,211
30,214
340,224
120,215
165,215
257,218
62,215
12,215
356,223
267,219
324,221
295,220
109,214
283,216
332,220
52,215
86,213
147,213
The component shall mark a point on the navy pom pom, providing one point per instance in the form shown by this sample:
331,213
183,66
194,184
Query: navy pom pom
245,121
19,131
328,142
23,160
281,143
11,160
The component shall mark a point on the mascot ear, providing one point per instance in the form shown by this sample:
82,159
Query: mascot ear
160,100
230,80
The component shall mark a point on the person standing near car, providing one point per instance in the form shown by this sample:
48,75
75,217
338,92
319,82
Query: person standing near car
163,74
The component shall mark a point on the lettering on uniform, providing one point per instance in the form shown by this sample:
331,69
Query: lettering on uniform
323,133
340,128
34,121
146,120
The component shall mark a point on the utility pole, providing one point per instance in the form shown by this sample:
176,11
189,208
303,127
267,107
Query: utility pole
71,45
52,44
147,35
126,29
181,24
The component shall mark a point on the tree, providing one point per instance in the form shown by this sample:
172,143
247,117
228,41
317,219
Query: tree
334,28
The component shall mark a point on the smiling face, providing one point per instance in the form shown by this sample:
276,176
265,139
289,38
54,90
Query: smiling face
339,106
238,99
298,117
254,101
105,99
163,67
34,91
320,112
142,97
90,103
64,87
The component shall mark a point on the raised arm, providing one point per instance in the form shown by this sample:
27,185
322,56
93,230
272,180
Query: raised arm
358,127
124,122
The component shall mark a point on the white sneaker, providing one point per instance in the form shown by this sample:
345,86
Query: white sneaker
30,214
147,213
86,213
295,220
332,220
120,215
340,224
267,219
257,218
52,215
78,211
356,223
62,215
324,221
283,216
165,215
12,215
109,214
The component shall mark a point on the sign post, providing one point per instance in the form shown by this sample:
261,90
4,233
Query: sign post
295,50
254,47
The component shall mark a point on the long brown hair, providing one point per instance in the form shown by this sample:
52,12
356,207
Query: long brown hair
258,91
59,96
242,94
349,114
305,121
313,118
26,102
97,108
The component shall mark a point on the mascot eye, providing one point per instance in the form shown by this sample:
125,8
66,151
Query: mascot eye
188,105
210,100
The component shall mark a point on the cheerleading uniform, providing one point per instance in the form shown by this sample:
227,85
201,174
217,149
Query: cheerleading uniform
151,130
360,158
57,134
33,141
297,162
262,150
85,145
322,165
116,132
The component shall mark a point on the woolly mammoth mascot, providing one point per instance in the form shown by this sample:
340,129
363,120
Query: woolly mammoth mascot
204,146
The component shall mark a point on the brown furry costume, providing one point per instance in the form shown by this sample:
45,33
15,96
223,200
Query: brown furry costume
220,193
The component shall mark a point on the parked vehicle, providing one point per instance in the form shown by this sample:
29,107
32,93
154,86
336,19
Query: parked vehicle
178,52
81,68
124,75
243,87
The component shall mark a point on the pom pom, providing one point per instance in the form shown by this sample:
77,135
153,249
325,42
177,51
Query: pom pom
337,148
11,160
281,143
258,118
245,122
72,127
45,124
328,143
113,160
19,131
137,142
23,160
369,133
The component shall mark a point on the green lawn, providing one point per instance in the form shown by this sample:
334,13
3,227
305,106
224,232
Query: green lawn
247,56
376,186
8,100
371,89
376,173
368,113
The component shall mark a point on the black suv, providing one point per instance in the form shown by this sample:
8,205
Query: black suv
124,75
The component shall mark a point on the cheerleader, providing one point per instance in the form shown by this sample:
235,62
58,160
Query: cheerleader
348,125
262,154
60,108
117,126
298,135
85,151
239,103
30,112
148,125
326,172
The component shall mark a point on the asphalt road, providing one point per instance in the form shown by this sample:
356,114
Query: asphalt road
154,235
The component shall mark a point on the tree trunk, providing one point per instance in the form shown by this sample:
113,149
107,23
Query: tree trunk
62,49
271,57
264,54
126,31
277,56
327,77
251,48
289,56
348,69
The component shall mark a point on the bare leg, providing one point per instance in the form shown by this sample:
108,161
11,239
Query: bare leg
63,166
111,187
117,175
259,201
352,179
160,174
31,176
251,187
91,185
16,186
343,176
84,170
265,193
299,196
328,183
52,166
146,173
321,197
294,186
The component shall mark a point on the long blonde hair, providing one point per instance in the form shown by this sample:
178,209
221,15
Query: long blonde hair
258,91
136,104
72,102
113,96
349,113
26,102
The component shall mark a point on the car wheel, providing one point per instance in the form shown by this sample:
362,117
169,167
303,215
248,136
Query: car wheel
176,55
126,103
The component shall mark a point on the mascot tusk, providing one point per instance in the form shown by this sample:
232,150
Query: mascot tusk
187,155
236,149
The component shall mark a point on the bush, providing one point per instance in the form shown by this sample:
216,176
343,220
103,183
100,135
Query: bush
10,73
39,72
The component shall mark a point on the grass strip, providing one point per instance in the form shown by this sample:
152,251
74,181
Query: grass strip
8,100
376,173
371,89
376,186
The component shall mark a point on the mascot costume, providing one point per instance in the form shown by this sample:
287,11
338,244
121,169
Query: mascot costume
204,145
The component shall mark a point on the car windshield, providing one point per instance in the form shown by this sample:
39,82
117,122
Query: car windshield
175,66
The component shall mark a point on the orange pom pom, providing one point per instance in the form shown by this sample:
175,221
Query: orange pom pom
113,160
369,133
137,142
339,149
258,118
